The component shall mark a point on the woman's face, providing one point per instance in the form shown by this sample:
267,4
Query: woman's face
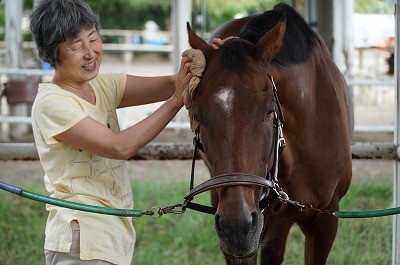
80,57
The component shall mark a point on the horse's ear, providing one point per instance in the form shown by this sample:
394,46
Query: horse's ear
270,44
198,43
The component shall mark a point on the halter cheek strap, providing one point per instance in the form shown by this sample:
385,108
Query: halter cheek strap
240,179
278,103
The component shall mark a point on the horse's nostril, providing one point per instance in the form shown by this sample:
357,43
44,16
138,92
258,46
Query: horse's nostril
254,219
217,224
246,224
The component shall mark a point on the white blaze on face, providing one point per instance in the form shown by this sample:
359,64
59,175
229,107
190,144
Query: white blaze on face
225,99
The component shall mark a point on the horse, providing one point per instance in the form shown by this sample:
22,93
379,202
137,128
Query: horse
274,122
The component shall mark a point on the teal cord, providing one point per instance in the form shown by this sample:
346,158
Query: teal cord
71,205
367,213
81,206
139,213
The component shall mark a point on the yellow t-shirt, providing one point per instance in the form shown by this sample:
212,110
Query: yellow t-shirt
78,176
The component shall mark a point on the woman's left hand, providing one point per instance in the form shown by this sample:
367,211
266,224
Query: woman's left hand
217,42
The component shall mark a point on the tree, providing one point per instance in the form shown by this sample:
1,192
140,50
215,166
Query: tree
374,6
220,11
131,14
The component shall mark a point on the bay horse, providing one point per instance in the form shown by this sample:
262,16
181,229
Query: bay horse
275,71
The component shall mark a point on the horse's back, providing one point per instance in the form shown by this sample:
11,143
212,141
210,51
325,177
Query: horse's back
231,28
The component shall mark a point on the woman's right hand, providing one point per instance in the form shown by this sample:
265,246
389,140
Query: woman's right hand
182,78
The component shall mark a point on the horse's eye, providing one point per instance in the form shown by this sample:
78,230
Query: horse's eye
268,114
196,118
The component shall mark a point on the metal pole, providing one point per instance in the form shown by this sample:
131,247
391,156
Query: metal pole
204,18
342,25
348,44
181,12
174,29
338,33
396,173
311,12
324,12
13,36
14,40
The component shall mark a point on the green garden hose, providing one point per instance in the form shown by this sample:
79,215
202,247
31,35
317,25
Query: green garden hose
160,211
72,205
367,213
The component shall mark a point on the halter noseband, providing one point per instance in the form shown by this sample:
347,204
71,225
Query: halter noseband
240,179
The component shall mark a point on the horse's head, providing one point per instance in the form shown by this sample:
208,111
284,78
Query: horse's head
236,109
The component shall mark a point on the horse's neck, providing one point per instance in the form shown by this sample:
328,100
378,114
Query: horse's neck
311,81
313,90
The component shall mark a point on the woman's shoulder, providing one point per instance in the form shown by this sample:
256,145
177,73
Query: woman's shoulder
47,90
51,94
110,82
110,87
110,77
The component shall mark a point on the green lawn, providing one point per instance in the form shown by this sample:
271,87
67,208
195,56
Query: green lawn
190,239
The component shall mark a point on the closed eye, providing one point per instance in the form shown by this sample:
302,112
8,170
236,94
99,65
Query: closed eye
268,114
75,47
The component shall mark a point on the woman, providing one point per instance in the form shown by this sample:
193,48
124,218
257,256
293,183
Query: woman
80,145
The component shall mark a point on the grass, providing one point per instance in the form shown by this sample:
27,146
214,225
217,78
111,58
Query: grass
365,241
190,239
22,225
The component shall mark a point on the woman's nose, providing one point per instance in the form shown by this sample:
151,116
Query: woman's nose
89,51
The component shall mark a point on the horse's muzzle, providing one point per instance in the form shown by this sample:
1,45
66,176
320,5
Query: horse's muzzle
238,217
238,223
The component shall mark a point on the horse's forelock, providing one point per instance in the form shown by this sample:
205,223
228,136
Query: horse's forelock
239,55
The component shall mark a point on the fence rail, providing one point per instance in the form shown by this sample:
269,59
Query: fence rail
351,82
184,151
126,42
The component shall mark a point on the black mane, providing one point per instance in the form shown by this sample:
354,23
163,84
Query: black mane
297,41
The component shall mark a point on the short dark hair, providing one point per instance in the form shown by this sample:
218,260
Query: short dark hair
55,21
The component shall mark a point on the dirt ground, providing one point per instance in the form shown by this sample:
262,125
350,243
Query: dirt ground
28,173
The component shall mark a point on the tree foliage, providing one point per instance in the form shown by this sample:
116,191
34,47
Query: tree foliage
220,11
132,14
374,6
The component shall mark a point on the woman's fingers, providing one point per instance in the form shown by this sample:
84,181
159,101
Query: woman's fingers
217,42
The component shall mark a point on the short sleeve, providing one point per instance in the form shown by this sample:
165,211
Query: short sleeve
55,114
112,86
121,85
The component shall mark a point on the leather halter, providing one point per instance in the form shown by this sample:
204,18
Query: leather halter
241,179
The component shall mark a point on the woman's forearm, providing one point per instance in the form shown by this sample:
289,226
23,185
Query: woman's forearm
132,139
144,90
